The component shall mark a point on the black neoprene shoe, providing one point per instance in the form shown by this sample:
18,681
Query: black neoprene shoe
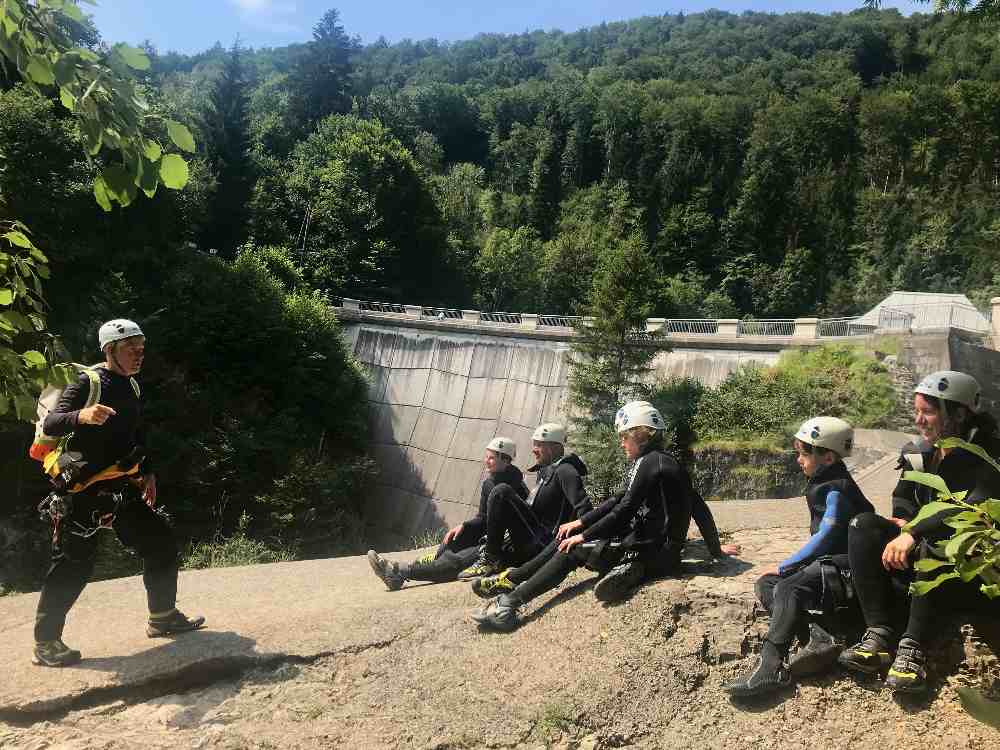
619,581
768,675
908,673
870,655
818,655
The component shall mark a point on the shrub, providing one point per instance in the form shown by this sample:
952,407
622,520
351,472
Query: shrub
238,549
834,380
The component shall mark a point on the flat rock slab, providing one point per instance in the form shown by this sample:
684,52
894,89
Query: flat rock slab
302,610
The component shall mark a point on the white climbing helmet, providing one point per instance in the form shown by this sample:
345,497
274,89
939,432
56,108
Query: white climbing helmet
550,432
951,386
503,445
638,414
116,330
827,432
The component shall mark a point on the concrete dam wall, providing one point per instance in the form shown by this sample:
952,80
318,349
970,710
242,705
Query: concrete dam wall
438,397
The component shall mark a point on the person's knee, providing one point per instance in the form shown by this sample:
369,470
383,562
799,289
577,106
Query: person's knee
764,588
501,493
865,523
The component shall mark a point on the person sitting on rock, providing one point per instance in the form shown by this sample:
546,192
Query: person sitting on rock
633,535
882,550
513,524
798,584
112,482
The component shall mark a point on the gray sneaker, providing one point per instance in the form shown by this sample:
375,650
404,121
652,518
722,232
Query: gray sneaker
54,654
500,614
386,570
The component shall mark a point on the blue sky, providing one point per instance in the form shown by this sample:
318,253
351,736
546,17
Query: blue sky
194,25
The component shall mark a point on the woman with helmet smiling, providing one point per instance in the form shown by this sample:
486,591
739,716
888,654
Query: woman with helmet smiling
882,551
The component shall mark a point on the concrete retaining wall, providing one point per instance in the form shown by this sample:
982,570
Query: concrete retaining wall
439,394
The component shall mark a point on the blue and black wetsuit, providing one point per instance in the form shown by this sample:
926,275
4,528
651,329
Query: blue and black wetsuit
834,499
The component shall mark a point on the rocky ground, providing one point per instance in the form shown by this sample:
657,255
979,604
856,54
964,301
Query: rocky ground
645,673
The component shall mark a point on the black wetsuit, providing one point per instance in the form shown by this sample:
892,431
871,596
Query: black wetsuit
649,519
882,594
136,525
833,499
452,558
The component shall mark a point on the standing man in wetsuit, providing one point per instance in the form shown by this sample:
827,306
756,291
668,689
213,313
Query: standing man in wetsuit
112,486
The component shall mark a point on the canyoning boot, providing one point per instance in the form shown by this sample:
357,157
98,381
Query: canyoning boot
54,654
619,581
819,654
870,655
908,673
768,674
387,571
500,614
172,623
486,565
490,586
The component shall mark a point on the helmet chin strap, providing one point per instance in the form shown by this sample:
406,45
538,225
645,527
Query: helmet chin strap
116,363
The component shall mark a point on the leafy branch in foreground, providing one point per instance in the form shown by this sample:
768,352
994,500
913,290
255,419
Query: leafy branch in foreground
973,549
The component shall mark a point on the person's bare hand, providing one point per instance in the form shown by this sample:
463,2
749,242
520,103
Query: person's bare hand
895,556
731,549
900,522
570,542
452,533
149,489
567,529
97,414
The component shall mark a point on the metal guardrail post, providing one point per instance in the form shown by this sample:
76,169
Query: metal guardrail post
529,320
413,311
655,324
470,316
351,304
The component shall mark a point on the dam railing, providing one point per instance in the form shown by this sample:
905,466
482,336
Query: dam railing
726,328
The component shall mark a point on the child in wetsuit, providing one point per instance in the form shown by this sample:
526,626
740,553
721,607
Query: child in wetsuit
799,582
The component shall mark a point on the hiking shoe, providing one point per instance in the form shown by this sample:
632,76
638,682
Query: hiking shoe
500,614
54,654
767,675
175,622
908,673
486,565
387,571
619,581
489,586
872,654
818,655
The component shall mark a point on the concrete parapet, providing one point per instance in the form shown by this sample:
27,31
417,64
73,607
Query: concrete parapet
414,311
655,324
529,321
471,316
351,304
729,327
805,328
995,321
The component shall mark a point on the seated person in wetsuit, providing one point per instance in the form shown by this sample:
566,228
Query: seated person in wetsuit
635,534
797,585
882,550
513,525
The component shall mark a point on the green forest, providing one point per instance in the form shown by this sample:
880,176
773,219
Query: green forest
766,165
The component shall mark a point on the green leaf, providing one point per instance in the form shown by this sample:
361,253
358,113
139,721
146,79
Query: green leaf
992,591
40,71
992,509
120,185
931,509
919,588
958,543
67,99
18,239
4,406
181,136
16,319
6,296
930,480
954,442
93,134
149,180
979,707
26,408
34,358
929,563
101,195
133,56
152,150
173,171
